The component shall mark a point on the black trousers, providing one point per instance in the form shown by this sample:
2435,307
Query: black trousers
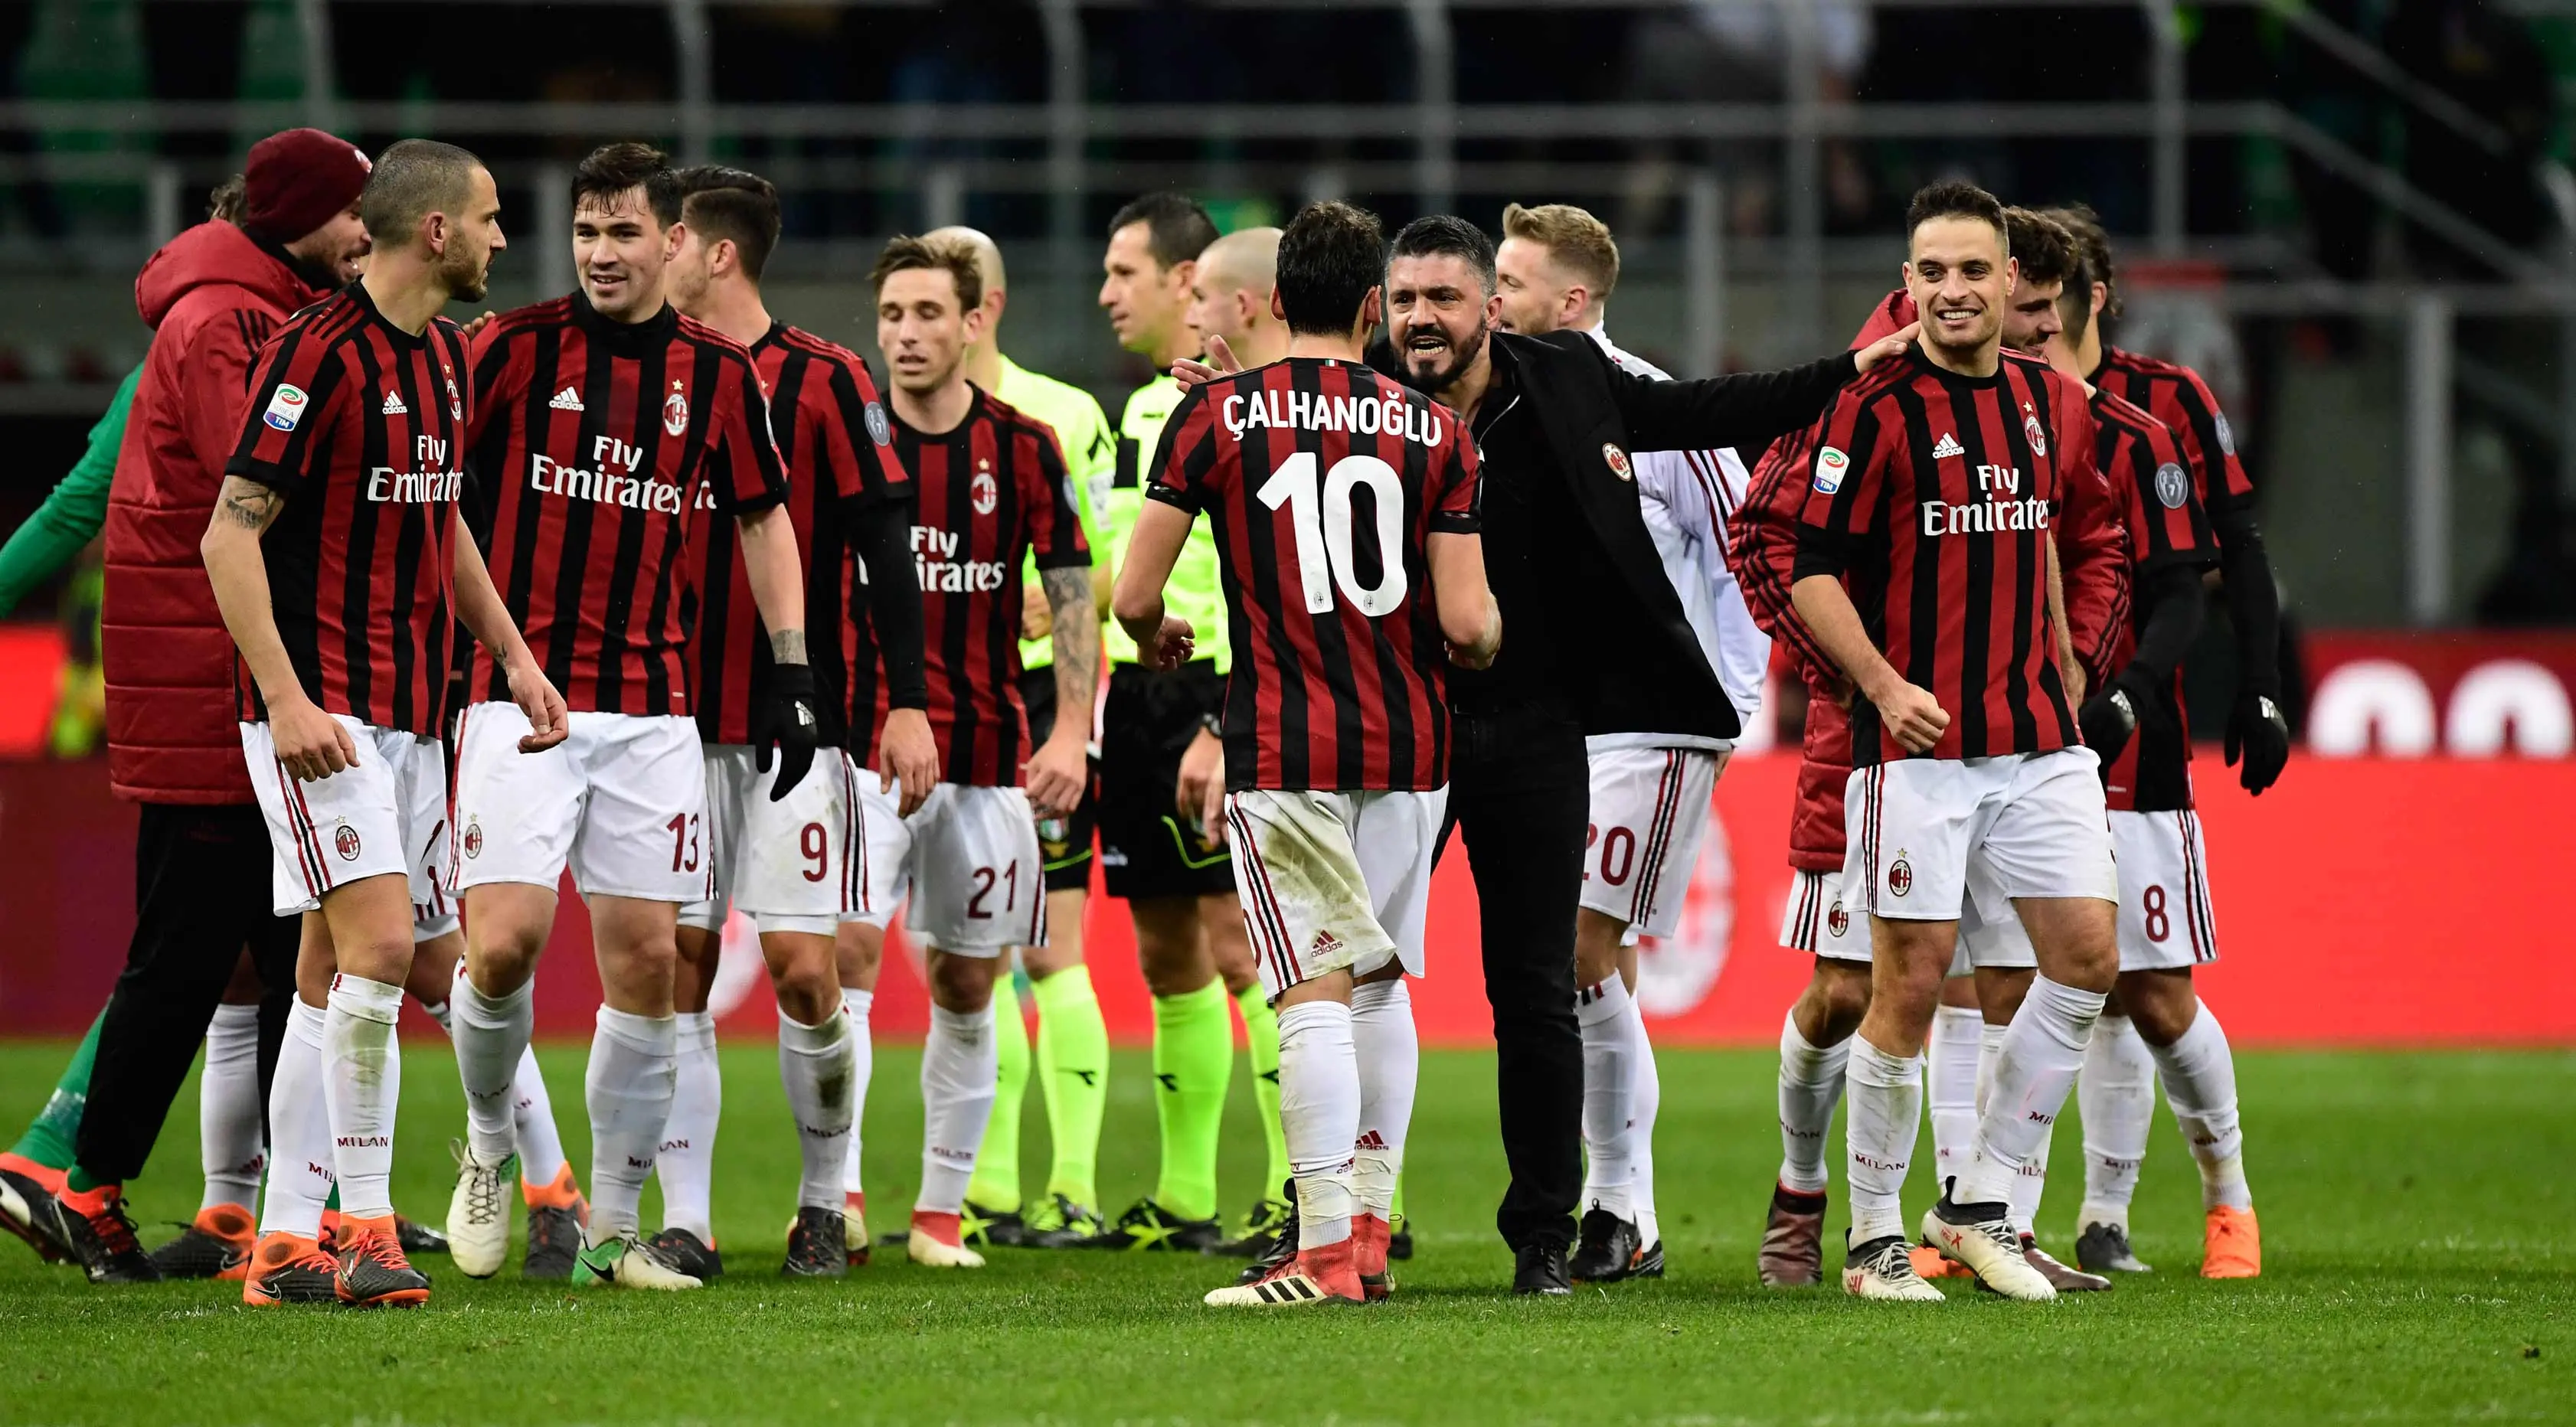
201,893
1519,793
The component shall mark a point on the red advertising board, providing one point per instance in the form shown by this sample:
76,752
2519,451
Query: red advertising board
2363,901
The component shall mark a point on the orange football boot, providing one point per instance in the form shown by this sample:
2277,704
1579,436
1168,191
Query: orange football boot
2232,1245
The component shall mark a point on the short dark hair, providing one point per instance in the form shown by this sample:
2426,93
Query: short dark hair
411,180
612,169
1447,233
735,205
1955,198
1331,254
2086,227
903,253
1177,229
2046,251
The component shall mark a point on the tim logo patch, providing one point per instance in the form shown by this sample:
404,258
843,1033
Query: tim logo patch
1830,465
285,407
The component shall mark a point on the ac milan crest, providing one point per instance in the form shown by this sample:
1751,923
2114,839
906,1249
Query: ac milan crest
345,842
1617,460
675,411
986,492
1900,876
474,838
1837,921
2031,428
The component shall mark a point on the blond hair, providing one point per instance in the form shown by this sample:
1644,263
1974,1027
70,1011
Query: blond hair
1574,239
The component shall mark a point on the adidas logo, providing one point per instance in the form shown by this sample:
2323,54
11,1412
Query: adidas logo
566,400
1372,1140
1947,448
394,405
1325,944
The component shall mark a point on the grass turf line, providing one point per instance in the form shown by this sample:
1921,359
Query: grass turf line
2415,1209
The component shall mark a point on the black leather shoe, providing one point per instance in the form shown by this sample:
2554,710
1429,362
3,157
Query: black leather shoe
1540,1268
1606,1248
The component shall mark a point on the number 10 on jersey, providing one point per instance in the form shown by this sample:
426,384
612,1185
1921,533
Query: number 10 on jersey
1323,521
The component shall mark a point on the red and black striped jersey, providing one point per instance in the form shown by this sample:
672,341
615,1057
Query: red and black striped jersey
1324,482
2175,395
839,451
993,496
1932,492
2167,527
601,450
362,426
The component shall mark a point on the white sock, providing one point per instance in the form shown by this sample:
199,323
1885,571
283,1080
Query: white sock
685,1160
2028,1186
1885,1111
628,1089
1811,1081
532,1123
2027,1085
1319,1115
363,1087
299,1121
1649,1100
230,1146
1610,1053
959,1067
2117,1097
441,1012
814,1064
491,1034
2200,1084
1950,1088
863,1063
1388,1054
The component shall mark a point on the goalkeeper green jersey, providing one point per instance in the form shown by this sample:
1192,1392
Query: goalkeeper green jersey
1090,459
1194,591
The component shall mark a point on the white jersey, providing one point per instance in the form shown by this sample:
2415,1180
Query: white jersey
1687,497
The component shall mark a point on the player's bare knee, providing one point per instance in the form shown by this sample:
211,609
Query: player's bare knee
1840,993
960,983
858,950
2161,1003
1998,991
1596,946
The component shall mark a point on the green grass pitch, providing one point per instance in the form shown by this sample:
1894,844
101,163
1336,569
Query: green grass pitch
2416,1210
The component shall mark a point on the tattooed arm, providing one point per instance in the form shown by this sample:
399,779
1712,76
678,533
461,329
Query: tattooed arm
311,743
1059,771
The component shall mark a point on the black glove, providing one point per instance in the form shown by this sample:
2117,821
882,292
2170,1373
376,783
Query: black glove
2107,719
2256,729
784,719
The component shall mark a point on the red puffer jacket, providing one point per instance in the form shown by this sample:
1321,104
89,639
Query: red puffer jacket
212,297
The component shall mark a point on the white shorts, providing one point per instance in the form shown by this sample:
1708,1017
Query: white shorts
376,818
1921,830
787,864
2165,919
1333,881
1990,931
965,867
622,801
435,917
1817,922
1650,811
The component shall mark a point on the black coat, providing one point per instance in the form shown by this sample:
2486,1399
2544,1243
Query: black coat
1640,669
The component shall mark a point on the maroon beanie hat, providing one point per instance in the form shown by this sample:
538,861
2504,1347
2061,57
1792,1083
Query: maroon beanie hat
297,180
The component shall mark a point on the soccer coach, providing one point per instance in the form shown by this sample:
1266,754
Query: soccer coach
1595,642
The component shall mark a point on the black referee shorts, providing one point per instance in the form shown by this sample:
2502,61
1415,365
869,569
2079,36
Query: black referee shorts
1146,849
1064,843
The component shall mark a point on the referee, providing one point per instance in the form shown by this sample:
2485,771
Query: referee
1596,642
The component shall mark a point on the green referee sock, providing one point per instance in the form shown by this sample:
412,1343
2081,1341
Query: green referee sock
50,1136
1193,1060
1261,1037
996,1185
1073,1072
